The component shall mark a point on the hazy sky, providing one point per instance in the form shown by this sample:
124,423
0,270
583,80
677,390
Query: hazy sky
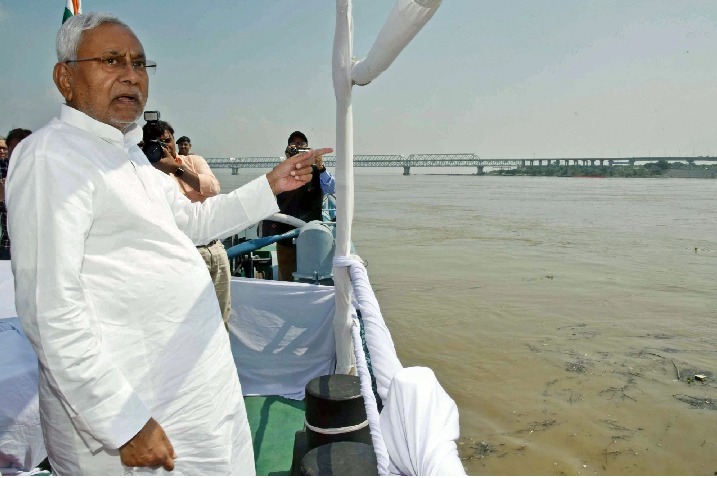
498,78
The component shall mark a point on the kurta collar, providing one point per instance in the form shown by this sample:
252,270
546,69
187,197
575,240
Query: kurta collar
109,133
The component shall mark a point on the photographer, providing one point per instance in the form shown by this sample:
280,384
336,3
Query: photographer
197,182
304,203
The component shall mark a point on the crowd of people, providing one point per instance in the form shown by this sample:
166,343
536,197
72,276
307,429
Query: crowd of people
121,279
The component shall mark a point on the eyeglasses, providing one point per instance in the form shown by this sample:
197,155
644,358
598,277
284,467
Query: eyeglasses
115,64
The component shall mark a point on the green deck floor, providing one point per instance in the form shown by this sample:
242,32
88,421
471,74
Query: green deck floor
273,422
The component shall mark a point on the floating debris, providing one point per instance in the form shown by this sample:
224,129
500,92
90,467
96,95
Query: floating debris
577,367
704,403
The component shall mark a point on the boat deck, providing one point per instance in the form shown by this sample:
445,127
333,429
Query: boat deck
274,421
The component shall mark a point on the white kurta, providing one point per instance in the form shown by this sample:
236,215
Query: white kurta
119,304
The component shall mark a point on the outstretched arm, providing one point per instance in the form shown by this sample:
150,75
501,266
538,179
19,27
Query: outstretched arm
226,214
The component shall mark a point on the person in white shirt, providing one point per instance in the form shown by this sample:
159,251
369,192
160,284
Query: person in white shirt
135,369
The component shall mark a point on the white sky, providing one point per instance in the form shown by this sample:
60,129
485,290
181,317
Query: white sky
498,78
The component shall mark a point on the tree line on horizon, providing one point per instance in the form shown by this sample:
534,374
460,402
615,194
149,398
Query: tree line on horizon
647,170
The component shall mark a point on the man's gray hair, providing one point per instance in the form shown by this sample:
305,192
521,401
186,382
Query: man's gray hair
70,34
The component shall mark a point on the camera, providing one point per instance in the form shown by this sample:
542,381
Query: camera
153,146
293,151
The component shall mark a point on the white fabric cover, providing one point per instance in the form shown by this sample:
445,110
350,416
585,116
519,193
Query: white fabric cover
7,291
379,447
415,432
281,335
21,444
419,422
378,338
118,303
341,74
404,22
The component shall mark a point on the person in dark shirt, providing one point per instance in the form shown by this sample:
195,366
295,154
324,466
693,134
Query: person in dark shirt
6,146
304,203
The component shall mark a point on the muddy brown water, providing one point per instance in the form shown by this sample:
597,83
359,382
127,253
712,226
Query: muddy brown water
557,312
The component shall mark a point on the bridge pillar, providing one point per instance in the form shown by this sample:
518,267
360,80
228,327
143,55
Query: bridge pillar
480,170
522,163
235,170
407,170
632,163
690,163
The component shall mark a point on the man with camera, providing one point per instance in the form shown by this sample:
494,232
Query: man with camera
135,369
304,203
197,182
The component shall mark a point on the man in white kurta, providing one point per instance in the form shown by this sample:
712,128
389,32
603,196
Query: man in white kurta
113,294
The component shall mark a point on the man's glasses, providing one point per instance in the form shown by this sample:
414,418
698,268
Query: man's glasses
115,64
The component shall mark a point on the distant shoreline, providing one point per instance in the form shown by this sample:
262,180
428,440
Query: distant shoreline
666,176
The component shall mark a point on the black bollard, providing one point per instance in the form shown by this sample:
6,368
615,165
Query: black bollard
334,403
340,459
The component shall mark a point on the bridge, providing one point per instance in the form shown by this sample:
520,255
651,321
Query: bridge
451,160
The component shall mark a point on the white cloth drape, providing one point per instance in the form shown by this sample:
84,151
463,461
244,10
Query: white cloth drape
281,335
419,422
21,442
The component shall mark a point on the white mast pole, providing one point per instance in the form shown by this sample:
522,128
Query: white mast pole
341,72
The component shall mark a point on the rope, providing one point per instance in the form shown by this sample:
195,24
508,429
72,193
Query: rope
379,446
367,353
335,431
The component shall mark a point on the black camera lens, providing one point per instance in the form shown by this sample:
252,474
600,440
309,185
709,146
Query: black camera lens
153,150
294,150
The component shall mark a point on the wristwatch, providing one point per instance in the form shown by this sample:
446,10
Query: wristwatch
178,172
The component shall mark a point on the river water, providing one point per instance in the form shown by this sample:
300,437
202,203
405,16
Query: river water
557,312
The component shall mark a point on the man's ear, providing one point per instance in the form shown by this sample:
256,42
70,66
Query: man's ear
63,80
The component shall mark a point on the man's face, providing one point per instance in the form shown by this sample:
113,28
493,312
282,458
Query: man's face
168,137
184,147
298,142
117,98
3,149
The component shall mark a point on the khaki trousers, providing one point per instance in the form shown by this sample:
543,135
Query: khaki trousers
215,256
